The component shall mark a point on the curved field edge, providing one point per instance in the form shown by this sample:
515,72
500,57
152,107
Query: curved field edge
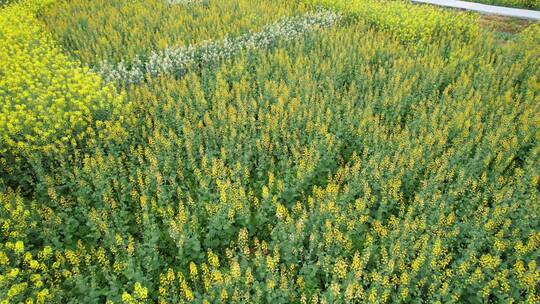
50,103
411,23
123,30
347,166
526,4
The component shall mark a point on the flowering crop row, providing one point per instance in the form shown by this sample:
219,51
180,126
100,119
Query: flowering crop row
411,23
528,4
344,166
178,60
47,100
117,30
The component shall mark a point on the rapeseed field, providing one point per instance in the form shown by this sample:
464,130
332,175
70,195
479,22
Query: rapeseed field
275,151
525,4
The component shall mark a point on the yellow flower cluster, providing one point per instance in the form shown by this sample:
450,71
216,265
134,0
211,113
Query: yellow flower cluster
412,24
528,4
342,167
118,30
23,273
140,295
48,100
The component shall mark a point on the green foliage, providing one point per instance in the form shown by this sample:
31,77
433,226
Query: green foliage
116,30
7,2
48,100
343,167
528,4
411,23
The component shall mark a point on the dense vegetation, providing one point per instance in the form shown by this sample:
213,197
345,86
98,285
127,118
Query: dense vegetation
120,30
379,153
527,4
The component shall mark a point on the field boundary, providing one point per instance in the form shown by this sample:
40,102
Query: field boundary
485,8
178,60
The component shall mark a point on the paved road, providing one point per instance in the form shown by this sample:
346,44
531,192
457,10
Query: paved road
486,9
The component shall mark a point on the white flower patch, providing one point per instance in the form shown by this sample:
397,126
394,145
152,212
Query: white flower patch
177,60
